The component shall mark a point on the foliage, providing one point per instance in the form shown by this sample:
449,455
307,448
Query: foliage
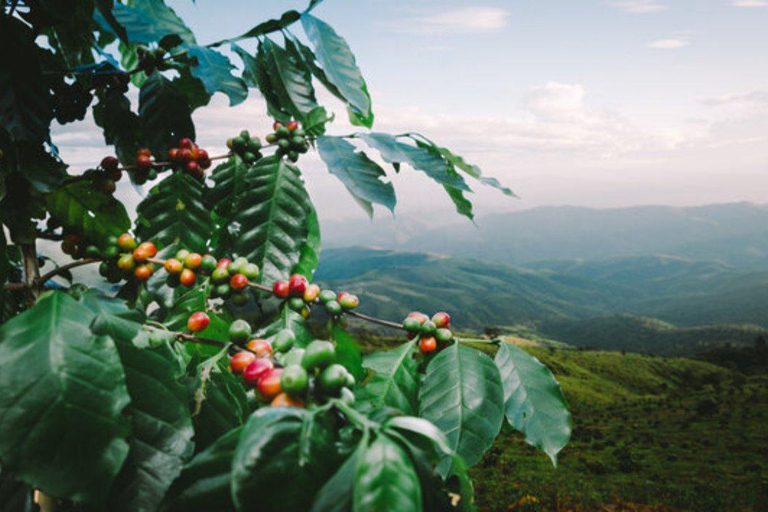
195,388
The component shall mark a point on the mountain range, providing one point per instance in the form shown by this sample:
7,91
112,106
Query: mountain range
658,279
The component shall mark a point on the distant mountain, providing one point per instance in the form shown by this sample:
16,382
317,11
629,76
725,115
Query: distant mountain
642,334
604,304
478,295
731,234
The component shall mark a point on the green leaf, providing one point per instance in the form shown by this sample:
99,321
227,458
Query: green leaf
164,113
385,479
267,462
214,70
395,379
229,185
115,319
290,81
25,102
347,352
340,67
463,205
534,402
463,396
395,152
271,223
472,170
174,212
162,427
264,28
336,494
256,74
148,21
62,395
118,122
82,209
363,177
224,407
204,483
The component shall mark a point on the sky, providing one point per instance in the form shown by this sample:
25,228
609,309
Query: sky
600,103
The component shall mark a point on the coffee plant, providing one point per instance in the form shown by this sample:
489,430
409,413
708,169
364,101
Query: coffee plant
208,372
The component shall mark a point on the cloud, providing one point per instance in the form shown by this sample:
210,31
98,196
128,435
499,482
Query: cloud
750,98
749,3
641,6
668,44
466,20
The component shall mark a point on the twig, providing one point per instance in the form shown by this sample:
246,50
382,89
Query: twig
375,320
60,270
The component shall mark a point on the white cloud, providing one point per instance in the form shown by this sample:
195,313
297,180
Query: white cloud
749,3
668,44
466,20
749,99
641,6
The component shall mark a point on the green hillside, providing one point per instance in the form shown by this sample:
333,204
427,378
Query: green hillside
650,434
391,284
642,334
672,433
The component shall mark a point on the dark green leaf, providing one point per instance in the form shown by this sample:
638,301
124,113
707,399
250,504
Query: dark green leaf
62,395
162,427
272,223
472,170
215,72
229,185
264,28
165,114
223,408
395,379
82,209
393,151
338,62
257,74
204,484
25,102
38,167
119,123
463,205
385,479
267,461
148,21
174,213
290,81
336,494
104,8
462,395
115,319
534,402
363,177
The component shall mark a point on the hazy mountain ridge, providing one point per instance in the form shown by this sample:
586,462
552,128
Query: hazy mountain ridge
732,234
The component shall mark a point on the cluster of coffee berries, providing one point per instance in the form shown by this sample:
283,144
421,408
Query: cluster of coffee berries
108,173
290,140
300,295
246,147
230,279
150,60
78,248
122,258
433,333
190,158
145,170
117,81
301,376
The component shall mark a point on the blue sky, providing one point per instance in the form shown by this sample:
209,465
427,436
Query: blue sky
599,103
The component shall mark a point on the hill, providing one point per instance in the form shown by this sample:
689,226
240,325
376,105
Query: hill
650,433
391,284
642,334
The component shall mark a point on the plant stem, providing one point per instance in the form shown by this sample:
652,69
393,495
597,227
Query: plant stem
375,320
31,270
